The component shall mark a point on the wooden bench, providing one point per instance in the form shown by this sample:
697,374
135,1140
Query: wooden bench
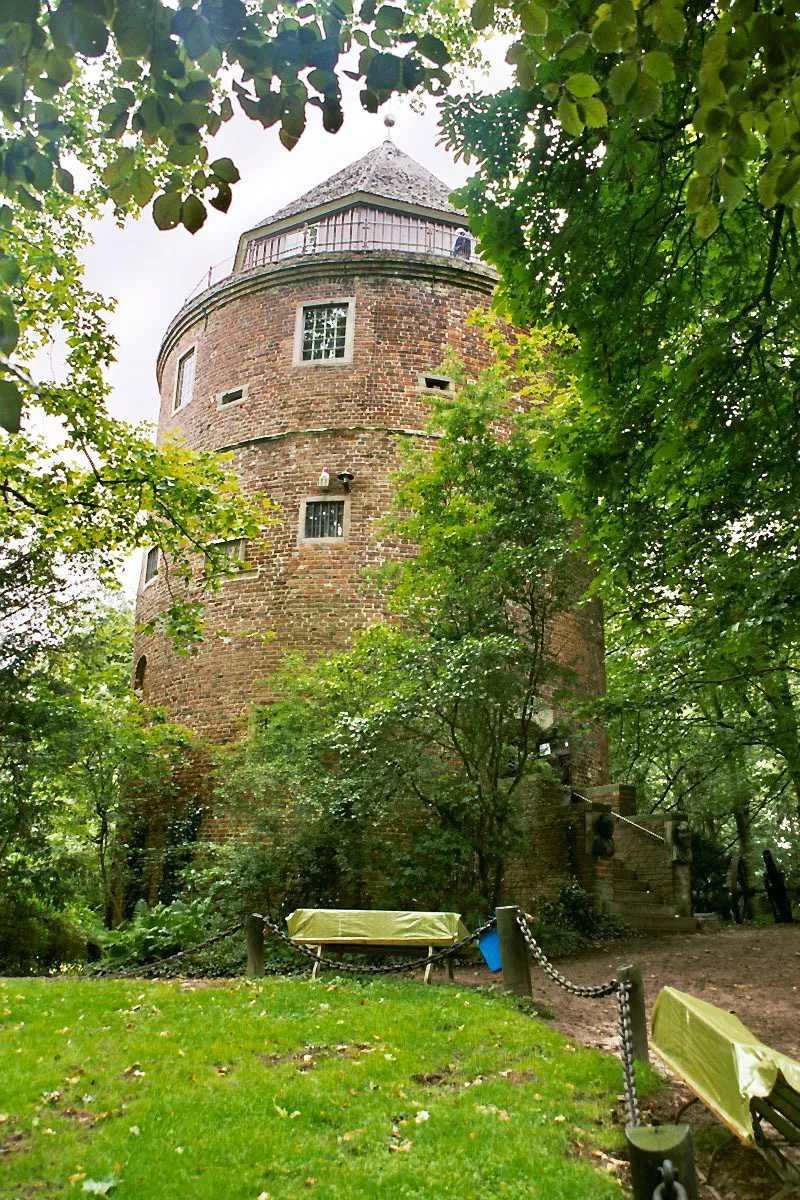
740,1079
382,930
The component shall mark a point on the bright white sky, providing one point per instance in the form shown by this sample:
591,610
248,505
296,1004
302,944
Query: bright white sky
150,272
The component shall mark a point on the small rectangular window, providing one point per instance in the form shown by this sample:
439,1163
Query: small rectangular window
184,383
324,333
234,551
151,564
232,396
324,519
438,383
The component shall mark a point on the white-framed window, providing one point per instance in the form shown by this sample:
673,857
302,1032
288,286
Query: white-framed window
151,565
184,379
323,519
232,397
324,332
234,551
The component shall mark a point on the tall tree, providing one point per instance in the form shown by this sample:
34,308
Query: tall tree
660,226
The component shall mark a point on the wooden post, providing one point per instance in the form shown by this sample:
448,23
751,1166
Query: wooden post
649,1146
633,976
255,946
513,952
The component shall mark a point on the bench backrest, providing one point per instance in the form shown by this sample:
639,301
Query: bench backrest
724,1063
337,926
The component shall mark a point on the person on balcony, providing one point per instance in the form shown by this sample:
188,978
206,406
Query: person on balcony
463,245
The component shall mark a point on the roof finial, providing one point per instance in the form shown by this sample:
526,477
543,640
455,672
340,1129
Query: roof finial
388,121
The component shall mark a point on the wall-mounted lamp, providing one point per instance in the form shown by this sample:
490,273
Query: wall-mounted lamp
324,481
345,478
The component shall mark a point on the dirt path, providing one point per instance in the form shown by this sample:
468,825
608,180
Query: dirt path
753,971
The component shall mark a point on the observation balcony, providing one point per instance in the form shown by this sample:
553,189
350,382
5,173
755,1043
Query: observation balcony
361,227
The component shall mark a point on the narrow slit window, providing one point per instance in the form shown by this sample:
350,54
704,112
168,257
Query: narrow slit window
324,332
151,564
232,396
184,383
139,674
324,519
439,383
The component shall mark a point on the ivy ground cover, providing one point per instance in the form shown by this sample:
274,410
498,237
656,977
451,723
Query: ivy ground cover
281,1089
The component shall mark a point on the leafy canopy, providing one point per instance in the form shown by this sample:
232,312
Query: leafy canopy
676,445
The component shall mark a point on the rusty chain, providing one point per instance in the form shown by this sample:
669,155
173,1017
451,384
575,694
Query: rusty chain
355,969
587,992
614,987
137,970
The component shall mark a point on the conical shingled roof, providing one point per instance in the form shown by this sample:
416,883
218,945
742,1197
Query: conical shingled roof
388,173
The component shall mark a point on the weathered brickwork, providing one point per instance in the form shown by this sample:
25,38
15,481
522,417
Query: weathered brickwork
409,311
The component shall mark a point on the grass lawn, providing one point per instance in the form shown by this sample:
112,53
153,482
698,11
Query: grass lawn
287,1089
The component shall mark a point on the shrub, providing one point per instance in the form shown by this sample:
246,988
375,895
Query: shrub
573,922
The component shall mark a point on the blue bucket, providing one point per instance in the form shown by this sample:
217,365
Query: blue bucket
489,946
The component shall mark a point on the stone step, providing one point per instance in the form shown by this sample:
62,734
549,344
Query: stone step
664,919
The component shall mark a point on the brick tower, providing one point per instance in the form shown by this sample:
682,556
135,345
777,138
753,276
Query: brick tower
310,363
314,357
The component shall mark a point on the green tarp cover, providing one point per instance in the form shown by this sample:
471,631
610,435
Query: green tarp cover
718,1056
384,928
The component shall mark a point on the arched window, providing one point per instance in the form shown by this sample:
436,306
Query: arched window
139,673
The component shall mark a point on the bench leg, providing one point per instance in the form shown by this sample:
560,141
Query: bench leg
315,971
429,967
450,974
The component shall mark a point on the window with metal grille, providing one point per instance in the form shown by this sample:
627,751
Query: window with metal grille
151,564
324,519
184,383
324,332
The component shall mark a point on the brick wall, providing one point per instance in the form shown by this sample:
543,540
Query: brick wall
293,422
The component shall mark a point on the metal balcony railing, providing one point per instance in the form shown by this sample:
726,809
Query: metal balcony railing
362,228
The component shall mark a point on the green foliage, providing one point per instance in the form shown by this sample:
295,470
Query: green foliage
573,922
731,73
429,726
675,445
77,751
154,933
710,876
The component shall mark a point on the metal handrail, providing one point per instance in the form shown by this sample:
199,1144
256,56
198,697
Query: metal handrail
619,817
636,825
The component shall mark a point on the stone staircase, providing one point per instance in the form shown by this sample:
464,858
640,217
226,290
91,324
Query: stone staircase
641,906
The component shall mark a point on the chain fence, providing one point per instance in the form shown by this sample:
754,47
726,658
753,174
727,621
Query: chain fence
617,987
143,968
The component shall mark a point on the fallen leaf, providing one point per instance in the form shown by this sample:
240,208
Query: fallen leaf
134,1130
77,1178
100,1187
557,1120
421,1116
